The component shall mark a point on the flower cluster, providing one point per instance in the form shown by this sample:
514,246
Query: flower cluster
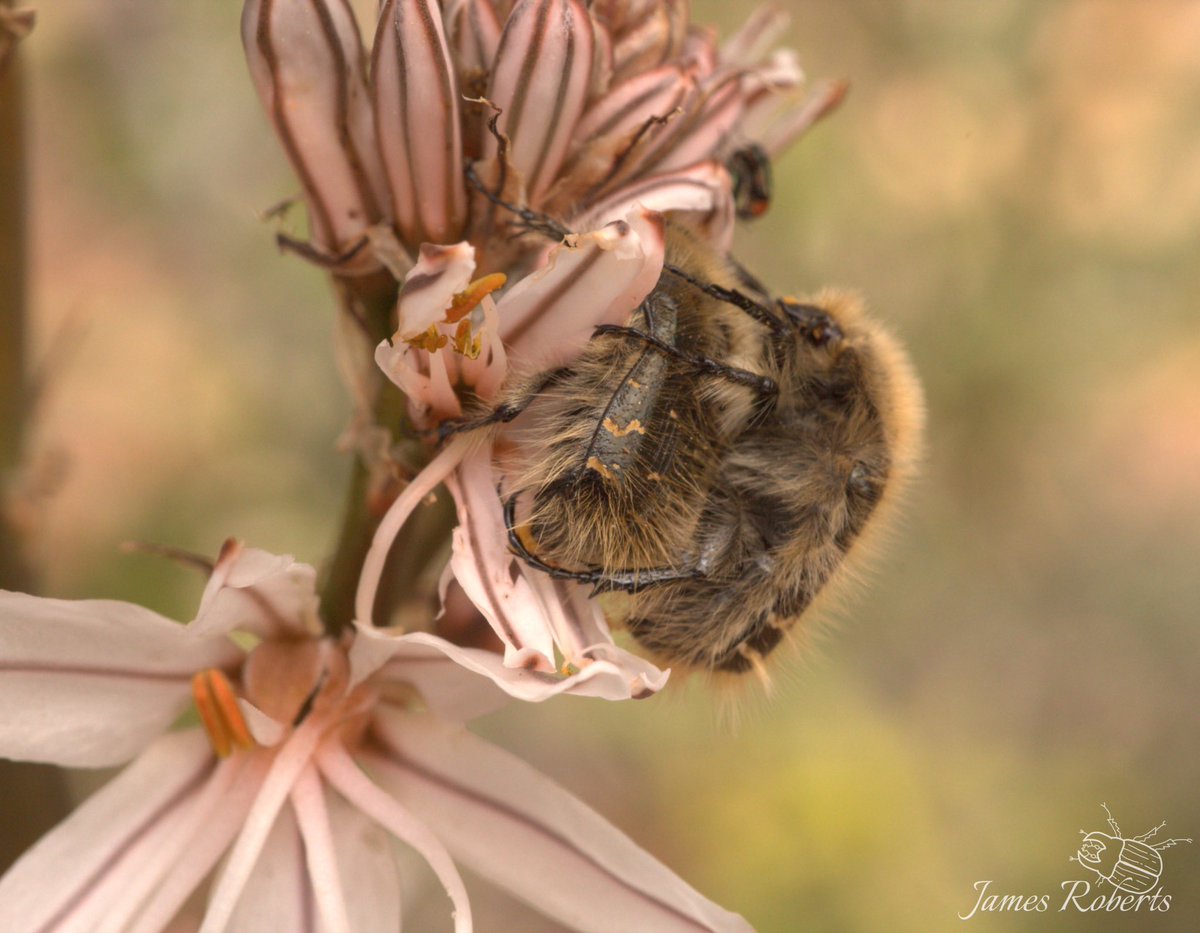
312,751
425,163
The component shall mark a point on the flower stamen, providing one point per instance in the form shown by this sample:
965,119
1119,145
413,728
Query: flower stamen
217,704
431,339
465,301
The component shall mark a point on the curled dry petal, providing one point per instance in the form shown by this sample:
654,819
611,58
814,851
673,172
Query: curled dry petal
574,866
307,62
137,667
417,121
540,83
596,278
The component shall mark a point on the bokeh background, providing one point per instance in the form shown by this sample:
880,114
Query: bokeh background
1015,187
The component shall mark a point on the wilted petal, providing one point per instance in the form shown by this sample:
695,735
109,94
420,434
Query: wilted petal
307,62
91,683
573,864
66,881
592,279
703,190
255,591
417,121
540,83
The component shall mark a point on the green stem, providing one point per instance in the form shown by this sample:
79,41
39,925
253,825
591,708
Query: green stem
372,301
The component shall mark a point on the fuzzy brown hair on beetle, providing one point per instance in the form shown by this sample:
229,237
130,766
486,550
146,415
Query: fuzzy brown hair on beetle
718,458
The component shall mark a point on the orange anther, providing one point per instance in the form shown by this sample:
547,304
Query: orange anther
464,343
466,300
217,704
430,340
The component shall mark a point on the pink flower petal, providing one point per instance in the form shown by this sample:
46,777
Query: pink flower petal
655,39
290,760
255,591
352,784
703,190
312,816
574,865
201,843
607,673
91,683
624,109
704,132
757,36
593,279
73,875
440,273
797,120
417,121
473,28
449,689
540,83
277,894
307,62
369,869
389,527
484,567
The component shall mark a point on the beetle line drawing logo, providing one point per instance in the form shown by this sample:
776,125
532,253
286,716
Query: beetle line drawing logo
1133,865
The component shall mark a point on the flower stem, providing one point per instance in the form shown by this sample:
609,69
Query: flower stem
35,795
372,302
15,571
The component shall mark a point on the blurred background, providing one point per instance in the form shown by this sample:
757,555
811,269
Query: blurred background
1014,185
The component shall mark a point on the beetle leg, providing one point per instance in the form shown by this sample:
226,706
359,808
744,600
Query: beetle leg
506,411
763,385
629,581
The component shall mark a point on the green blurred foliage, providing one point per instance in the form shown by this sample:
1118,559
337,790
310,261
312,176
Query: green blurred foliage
1014,185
